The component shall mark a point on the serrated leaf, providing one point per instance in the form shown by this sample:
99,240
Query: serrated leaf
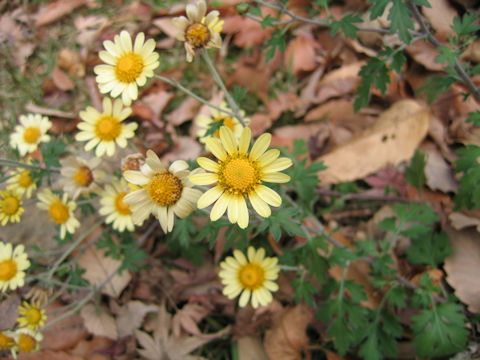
374,72
436,85
347,25
466,25
474,117
415,172
431,250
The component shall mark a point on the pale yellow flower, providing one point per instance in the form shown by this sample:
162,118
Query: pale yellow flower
31,316
21,181
30,133
240,174
26,341
198,30
253,277
204,122
104,130
80,175
113,207
60,211
6,340
13,263
127,67
164,192
10,206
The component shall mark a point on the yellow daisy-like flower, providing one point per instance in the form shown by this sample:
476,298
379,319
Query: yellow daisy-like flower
13,263
113,207
127,66
204,122
6,340
10,206
197,30
21,182
103,130
32,317
253,277
240,175
60,210
164,192
80,175
31,132
27,341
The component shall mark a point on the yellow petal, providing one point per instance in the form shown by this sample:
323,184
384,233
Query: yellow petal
260,146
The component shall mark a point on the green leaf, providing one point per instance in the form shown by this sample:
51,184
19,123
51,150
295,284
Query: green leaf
267,21
439,331
183,232
415,172
468,194
277,41
447,55
214,126
239,93
436,85
378,8
401,20
346,24
466,25
474,117
374,72
52,151
304,290
430,250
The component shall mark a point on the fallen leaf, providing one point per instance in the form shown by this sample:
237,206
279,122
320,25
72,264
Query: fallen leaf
100,268
100,322
165,24
131,317
440,15
460,221
438,173
287,337
185,148
186,111
426,54
50,112
49,355
187,319
251,347
56,10
93,349
463,267
392,139
70,61
89,28
301,55
9,311
339,82
61,80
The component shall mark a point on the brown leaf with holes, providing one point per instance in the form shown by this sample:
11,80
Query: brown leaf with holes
287,337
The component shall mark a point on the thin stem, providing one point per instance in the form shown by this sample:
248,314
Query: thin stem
220,83
13,163
192,94
291,268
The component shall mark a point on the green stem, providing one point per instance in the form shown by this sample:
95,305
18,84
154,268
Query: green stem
220,83
13,163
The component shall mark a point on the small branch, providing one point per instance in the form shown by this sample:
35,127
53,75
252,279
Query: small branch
13,163
361,196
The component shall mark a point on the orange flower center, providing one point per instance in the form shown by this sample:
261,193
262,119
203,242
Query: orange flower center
129,67
251,276
84,176
165,189
8,269
31,134
108,128
120,206
6,342
58,212
33,316
24,179
197,35
10,205
227,121
26,343
238,175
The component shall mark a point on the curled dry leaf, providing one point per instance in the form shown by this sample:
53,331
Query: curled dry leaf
61,80
394,138
287,337
460,221
424,53
250,347
131,317
99,323
339,82
440,15
186,111
301,54
187,319
463,267
99,268
56,10
9,312
438,173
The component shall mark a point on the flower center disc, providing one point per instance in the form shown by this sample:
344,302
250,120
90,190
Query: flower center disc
120,206
33,316
8,269
31,135
227,121
26,343
165,189
84,176
58,212
107,128
197,35
24,179
6,342
251,276
239,176
129,67
10,205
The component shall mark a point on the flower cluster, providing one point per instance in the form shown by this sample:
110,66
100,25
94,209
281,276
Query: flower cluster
26,337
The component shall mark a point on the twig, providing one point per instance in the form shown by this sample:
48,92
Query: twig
13,163
361,196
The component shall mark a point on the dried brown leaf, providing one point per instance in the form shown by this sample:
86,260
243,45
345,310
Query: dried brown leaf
392,139
440,15
187,319
9,312
131,317
186,111
460,221
99,268
56,10
61,80
438,173
425,54
99,323
301,53
250,347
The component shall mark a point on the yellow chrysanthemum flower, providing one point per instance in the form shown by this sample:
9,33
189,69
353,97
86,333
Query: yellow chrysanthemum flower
6,340
165,193
31,132
80,175
31,316
13,263
204,121
239,175
21,182
103,130
126,67
197,30
60,210
113,207
253,277
10,206
27,341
